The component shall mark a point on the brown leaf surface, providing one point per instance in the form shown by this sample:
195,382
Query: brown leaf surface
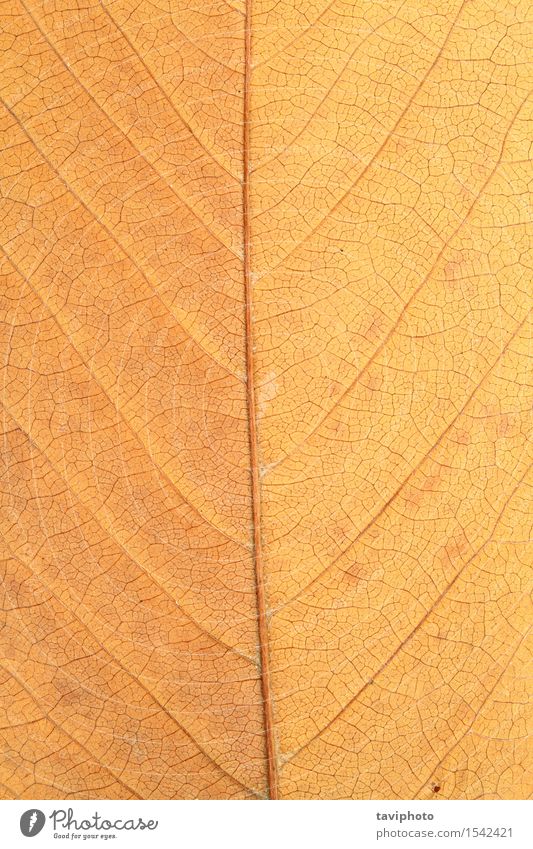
266,280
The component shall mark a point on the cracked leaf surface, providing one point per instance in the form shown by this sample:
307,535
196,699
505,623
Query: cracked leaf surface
266,399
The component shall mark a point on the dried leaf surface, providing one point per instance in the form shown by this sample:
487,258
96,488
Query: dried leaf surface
266,394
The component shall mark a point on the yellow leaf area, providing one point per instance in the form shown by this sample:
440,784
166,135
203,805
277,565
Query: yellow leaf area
266,398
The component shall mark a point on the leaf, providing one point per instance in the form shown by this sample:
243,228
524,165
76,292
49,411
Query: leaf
266,406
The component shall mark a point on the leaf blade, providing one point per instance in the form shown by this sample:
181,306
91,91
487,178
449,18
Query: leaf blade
266,406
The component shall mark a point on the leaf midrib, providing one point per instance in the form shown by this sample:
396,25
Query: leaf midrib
262,615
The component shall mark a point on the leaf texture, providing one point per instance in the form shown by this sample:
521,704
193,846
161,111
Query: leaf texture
266,399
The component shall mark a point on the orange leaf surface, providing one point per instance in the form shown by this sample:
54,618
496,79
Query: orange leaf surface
266,281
